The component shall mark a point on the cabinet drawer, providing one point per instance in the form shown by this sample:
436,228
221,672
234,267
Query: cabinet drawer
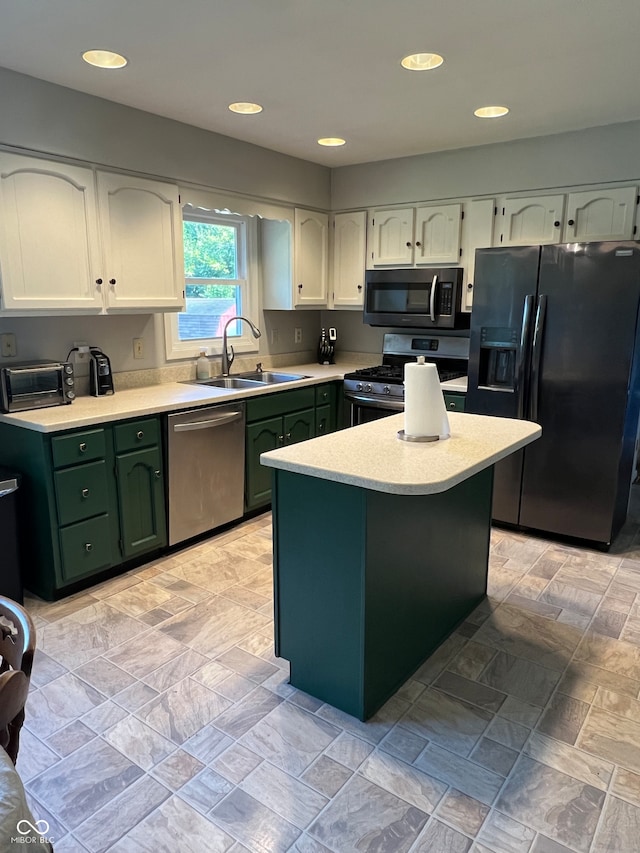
269,406
86,547
78,447
136,434
81,492
325,394
454,402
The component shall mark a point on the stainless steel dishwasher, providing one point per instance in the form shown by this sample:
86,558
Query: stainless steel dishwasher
205,449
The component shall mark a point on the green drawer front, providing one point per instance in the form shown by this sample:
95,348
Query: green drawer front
325,394
271,405
86,547
81,492
136,434
454,402
78,447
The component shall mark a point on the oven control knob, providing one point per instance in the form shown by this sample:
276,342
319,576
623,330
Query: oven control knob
386,389
359,386
367,387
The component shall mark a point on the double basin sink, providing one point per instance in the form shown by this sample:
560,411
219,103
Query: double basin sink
251,380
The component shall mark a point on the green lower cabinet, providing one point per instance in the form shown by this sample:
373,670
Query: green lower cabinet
299,426
87,547
323,420
454,402
261,437
140,491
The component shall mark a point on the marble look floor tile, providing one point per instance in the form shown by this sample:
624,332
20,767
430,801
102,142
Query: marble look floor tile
349,750
71,737
236,762
619,829
470,691
411,690
403,744
174,819
306,844
138,599
410,784
627,786
505,835
110,823
60,702
176,770
183,710
243,817
542,844
494,756
517,599
521,679
547,565
35,756
568,597
462,811
519,712
105,676
139,742
613,738
563,718
608,622
290,738
581,765
85,781
509,734
205,790
246,597
588,571
135,696
438,661
460,773
439,836
363,818
575,619
251,667
562,808
579,671
296,802
225,573
207,744
326,775
168,674
235,687
613,655
530,636
45,669
104,716
242,716
446,720
373,730
151,651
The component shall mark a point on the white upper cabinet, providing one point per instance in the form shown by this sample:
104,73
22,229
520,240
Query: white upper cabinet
141,224
477,233
49,247
601,215
527,221
415,236
73,241
311,252
349,249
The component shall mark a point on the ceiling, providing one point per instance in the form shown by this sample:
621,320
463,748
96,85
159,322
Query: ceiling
332,67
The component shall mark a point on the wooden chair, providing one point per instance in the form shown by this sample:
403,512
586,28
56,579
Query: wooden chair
17,645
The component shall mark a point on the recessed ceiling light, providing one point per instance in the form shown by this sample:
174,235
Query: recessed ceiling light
422,61
491,112
104,59
245,108
332,141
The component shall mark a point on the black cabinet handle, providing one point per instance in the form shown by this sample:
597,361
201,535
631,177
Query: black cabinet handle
112,281
470,286
556,224
98,281
571,222
300,286
409,245
418,243
359,287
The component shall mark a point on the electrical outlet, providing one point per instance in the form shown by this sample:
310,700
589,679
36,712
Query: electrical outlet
81,356
275,336
9,345
138,348
297,335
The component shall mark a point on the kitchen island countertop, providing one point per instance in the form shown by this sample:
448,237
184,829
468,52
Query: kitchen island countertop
371,456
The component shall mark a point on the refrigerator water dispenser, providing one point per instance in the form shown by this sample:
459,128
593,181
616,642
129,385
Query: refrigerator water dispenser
497,358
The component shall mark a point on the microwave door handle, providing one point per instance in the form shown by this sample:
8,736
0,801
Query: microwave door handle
536,357
432,300
525,333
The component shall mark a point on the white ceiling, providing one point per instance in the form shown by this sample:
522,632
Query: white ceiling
331,67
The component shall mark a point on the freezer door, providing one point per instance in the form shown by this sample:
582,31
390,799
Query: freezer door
506,281
576,478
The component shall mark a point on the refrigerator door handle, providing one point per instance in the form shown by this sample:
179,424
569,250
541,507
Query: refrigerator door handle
525,333
536,356
432,300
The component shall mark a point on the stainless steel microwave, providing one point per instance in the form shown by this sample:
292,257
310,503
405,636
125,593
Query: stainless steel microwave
36,384
426,298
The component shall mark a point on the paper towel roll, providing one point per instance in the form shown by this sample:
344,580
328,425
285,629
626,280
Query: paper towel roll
424,411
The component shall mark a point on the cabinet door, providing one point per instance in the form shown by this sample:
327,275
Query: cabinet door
311,248
392,237
299,426
349,249
261,437
325,421
141,224
49,249
141,501
532,220
477,233
601,215
437,234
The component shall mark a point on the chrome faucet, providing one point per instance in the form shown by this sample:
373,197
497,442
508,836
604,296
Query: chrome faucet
227,360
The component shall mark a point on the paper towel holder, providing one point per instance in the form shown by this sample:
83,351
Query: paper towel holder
405,437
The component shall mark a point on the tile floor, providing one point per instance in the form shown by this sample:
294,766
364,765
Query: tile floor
160,719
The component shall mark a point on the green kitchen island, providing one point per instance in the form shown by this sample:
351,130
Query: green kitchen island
381,549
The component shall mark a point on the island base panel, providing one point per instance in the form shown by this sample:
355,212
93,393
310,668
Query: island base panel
368,584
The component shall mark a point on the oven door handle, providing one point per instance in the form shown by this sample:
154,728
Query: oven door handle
375,403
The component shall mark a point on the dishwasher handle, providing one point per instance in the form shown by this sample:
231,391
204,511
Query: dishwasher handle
211,422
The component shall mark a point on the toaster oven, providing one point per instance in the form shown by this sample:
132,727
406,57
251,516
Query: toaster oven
36,384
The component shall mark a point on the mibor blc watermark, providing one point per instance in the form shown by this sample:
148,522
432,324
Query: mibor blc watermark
32,833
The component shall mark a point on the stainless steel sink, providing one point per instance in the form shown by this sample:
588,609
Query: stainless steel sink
268,377
229,382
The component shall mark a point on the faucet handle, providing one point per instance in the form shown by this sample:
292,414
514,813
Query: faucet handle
231,357
259,367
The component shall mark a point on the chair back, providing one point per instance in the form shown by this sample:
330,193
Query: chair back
17,647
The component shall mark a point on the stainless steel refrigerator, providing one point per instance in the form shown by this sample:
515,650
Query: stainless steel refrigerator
554,339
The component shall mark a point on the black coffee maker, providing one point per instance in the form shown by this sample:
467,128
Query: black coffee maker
100,375
327,347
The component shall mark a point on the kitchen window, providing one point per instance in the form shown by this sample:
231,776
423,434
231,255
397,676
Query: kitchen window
220,283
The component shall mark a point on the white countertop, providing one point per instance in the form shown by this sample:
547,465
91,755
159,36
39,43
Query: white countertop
371,456
173,396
